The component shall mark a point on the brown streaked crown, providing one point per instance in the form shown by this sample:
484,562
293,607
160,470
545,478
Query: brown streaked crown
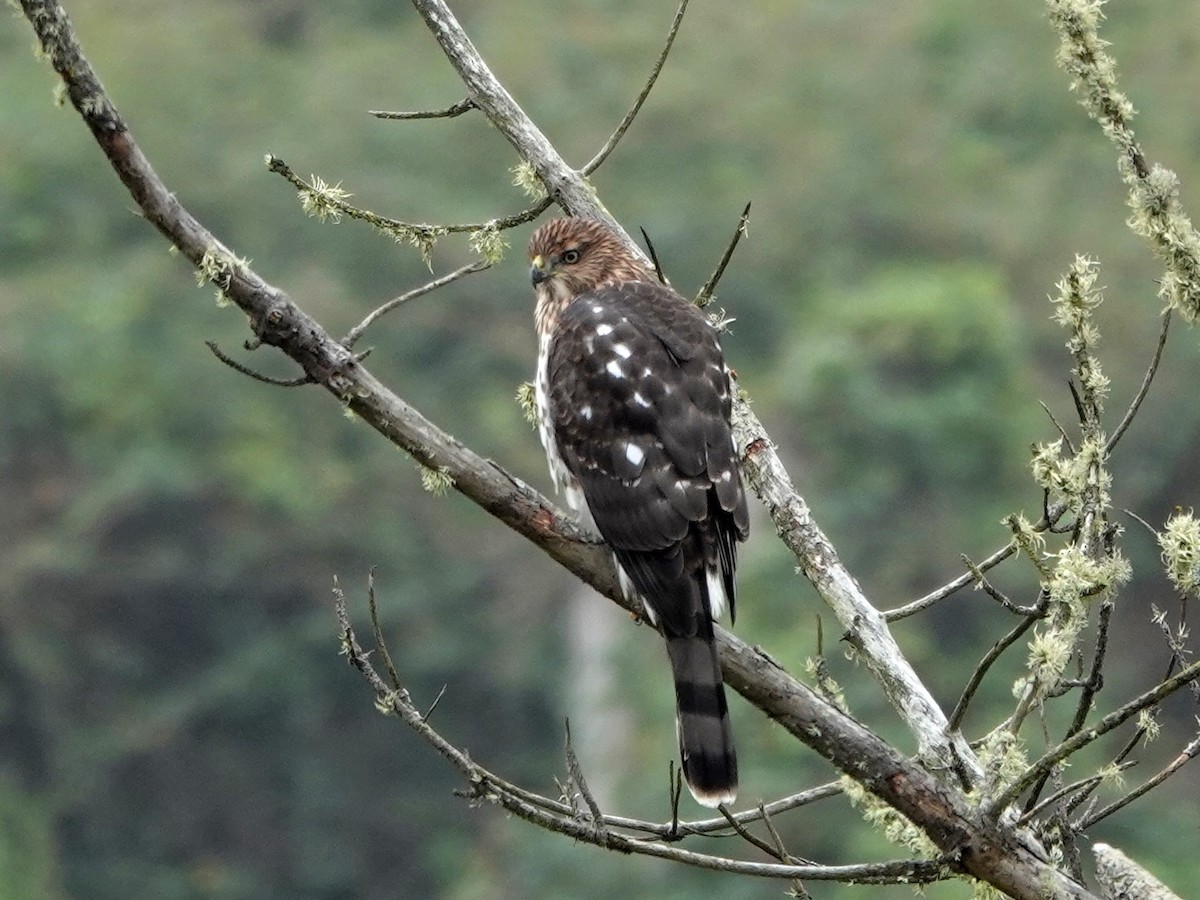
584,254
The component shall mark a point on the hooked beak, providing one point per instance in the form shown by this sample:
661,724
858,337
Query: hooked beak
537,271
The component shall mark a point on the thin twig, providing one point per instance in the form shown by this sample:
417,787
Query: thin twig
1176,639
658,270
746,835
420,233
434,705
557,817
674,792
998,648
706,293
1095,679
951,587
678,829
450,112
994,593
1189,753
356,332
1080,740
1083,784
1127,419
1136,738
1081,410
1062,431
380,643
1050,515
575,772
781,850
1089,687
611,143
257,376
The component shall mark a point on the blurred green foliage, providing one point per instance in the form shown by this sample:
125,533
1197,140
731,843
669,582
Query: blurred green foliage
174,719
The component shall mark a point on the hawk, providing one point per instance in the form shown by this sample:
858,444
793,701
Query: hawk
634,401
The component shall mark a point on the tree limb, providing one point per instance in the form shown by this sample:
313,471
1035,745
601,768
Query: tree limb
1123,879
818,559
977,846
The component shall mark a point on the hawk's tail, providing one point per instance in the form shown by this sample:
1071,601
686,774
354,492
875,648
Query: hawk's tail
702,719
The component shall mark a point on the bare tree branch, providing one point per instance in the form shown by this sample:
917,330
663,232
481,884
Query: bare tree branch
1084,784
450,112
611,144
564,186
324,201
865,626
559,818
357,331
981,670
1085,737
1123,879
1187,755
1051,516
250,373
1134,406
706,293
866,629
1153,190
974,844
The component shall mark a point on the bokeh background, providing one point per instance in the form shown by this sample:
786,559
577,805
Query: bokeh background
175,720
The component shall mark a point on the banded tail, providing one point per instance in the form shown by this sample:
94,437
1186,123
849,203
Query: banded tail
702,718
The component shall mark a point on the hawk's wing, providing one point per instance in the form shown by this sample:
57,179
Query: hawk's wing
640,399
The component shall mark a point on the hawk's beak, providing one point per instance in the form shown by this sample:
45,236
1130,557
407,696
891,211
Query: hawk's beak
537,271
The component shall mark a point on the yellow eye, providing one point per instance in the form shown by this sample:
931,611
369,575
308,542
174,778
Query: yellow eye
570,257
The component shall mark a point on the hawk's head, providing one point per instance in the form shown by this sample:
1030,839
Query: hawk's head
572,256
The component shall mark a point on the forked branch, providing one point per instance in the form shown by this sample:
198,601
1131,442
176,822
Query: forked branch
594,828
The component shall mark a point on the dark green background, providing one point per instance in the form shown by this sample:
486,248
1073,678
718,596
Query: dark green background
174,718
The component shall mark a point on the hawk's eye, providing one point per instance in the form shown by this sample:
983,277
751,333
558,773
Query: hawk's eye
570,257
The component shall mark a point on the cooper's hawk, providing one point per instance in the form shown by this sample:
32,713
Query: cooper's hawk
634,400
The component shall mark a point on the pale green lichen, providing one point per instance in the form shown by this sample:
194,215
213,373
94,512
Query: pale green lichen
437,481
386,701
1180,545
323,201
981,890
526,178
218,266
1112,776
1029,540
1077,300
93,105
1077,576
1076,580
1049,653
829,688
489,243
421,238
1078,295
894,826
1078,479
1003,758
1147,723
1049,466
527,400
1153,190
721,320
